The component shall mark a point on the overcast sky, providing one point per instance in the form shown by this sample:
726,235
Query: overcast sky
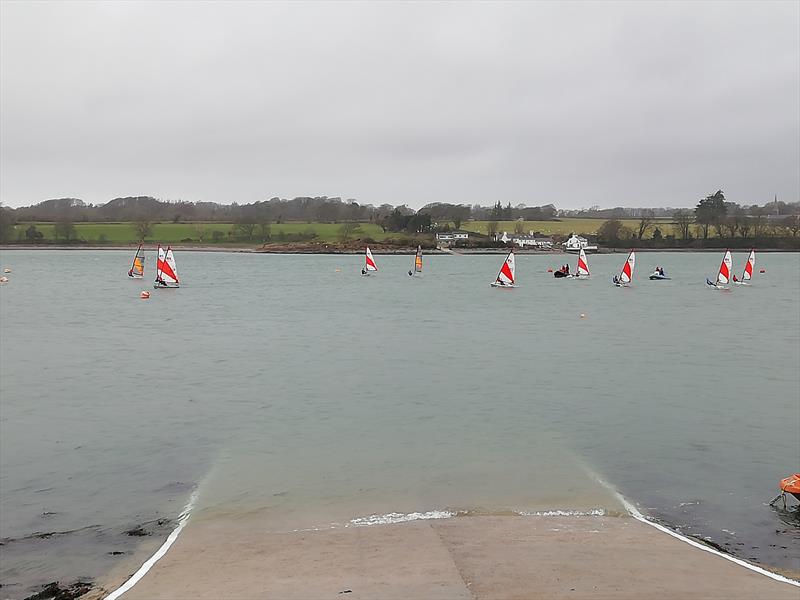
576,104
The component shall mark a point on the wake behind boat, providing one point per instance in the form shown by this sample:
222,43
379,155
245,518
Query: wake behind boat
724,274
417,263
505,278
166,270
369,263
626,274
137,268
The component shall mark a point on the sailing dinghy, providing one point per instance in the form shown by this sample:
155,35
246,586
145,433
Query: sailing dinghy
137,268
749,266
166,271
505,278
369,263
582,272
626,274
417,262
724,274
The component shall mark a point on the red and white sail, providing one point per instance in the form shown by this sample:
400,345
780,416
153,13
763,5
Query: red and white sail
583,265
749,266
370,261
166,271
626,275
724,275
506,274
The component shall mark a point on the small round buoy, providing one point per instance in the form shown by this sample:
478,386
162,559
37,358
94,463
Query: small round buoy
549,270
763,271
6,270
583,315
3,279
144,295
338,270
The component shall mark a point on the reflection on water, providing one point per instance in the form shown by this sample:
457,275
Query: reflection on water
283,386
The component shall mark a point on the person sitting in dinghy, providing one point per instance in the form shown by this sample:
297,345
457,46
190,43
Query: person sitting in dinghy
735,279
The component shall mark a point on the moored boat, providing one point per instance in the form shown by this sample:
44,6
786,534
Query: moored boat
505,278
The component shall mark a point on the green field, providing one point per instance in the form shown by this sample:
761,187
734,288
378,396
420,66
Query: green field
171,233
175,233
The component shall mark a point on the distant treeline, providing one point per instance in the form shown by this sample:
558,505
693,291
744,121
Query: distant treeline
320,209
712,220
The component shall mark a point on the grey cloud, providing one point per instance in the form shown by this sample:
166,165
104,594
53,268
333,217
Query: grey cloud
575,103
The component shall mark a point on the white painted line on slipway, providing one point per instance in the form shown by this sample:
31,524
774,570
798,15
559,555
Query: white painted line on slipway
634,512
183,518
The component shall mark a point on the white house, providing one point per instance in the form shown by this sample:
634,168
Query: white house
457,235
575,243
526,239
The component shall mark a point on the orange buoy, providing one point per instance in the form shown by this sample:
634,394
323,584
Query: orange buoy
791,485
144,295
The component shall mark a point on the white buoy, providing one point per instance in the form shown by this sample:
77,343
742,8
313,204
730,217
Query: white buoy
144,295
583,315
3,279
6,270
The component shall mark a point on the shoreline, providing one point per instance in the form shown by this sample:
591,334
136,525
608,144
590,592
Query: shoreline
404,251
489,556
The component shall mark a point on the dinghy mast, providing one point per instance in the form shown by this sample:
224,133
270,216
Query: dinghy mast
583,265
505,278
626,275
137,268
747,275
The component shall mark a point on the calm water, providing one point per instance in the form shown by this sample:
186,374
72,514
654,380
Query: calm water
292,388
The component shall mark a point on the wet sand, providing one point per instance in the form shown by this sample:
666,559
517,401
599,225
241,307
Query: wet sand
464,557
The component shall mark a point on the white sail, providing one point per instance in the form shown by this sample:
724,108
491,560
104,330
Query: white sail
724,275
583,265
166,271
370,261
626,275
749,266
506,276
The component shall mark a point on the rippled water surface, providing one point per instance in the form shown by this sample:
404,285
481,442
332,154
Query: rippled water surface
293,388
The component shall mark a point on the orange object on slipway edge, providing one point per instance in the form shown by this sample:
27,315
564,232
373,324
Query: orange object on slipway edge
791,485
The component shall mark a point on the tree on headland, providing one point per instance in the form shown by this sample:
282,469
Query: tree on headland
711,210
683,223
491,227
244,229
348,230
611,231
32,234
792,223
519,227
143,227
645,223
65,230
